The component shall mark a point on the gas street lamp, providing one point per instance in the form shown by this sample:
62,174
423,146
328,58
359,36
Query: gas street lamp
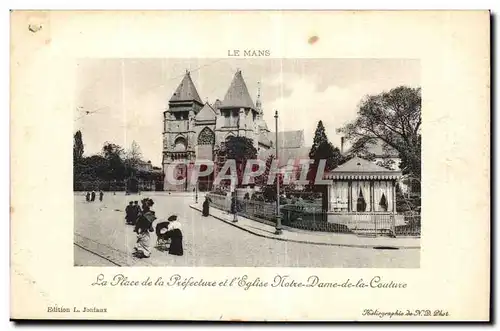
278,214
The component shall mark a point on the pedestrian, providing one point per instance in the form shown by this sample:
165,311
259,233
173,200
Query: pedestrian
87,196
146,204
174,233
92,196
206,207
136,212
143,228
129,212
234,208
101,195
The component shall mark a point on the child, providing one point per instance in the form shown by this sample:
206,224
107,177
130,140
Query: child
143,227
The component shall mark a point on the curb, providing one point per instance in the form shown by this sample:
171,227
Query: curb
236,225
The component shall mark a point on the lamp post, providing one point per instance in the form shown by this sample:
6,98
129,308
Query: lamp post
196,191
278,214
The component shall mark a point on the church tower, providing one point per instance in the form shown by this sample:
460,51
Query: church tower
179,130
238,113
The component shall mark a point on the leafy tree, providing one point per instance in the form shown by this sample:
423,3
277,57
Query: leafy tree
114,155
110,150
113,164
262,179
393,117
269,190
240,149
387,163
322,149
77,146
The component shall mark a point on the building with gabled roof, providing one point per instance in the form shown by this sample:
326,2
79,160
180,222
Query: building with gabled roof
362,196
194,130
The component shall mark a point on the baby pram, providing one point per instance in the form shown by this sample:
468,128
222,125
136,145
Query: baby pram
161,235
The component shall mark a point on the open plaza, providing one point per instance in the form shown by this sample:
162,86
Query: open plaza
103,239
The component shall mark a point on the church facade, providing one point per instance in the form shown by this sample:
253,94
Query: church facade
194,130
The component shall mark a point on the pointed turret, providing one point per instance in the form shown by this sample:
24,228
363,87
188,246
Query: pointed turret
237,95
186,91
258,103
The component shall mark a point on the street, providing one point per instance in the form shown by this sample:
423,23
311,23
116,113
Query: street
102,238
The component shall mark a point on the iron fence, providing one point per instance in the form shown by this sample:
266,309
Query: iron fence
310,216
411,226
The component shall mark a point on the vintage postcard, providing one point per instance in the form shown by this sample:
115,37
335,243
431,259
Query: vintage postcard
250,165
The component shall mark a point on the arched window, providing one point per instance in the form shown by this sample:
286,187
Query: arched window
180,144
206,137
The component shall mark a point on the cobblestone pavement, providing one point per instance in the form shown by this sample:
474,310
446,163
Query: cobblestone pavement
100,227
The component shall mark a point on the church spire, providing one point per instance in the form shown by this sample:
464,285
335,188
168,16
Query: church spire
258,103
186,91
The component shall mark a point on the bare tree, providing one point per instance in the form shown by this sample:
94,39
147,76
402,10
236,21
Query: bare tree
134,155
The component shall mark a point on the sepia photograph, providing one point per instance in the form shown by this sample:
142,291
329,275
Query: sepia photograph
247,163
252,165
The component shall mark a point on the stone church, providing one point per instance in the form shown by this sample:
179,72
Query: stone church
196,130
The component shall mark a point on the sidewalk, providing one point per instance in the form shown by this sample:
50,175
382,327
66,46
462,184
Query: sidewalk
311,237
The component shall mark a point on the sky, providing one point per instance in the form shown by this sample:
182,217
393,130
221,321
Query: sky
126,98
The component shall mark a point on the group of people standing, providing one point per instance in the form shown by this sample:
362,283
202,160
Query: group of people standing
132,212
90,196
143,218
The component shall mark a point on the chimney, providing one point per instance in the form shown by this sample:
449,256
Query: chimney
342,145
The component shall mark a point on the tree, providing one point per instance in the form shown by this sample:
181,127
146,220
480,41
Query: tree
393,117
262,179
110,150
319,138
240,149
114,155
269,190
134,155
77,147
322,149
387,163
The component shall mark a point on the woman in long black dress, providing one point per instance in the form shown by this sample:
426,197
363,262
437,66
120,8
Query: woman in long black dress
175,234
206,207
234,208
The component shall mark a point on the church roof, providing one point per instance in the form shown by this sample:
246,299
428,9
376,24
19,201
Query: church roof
206,113
264,140
237,95
288,139
358,168
186,91
286,155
